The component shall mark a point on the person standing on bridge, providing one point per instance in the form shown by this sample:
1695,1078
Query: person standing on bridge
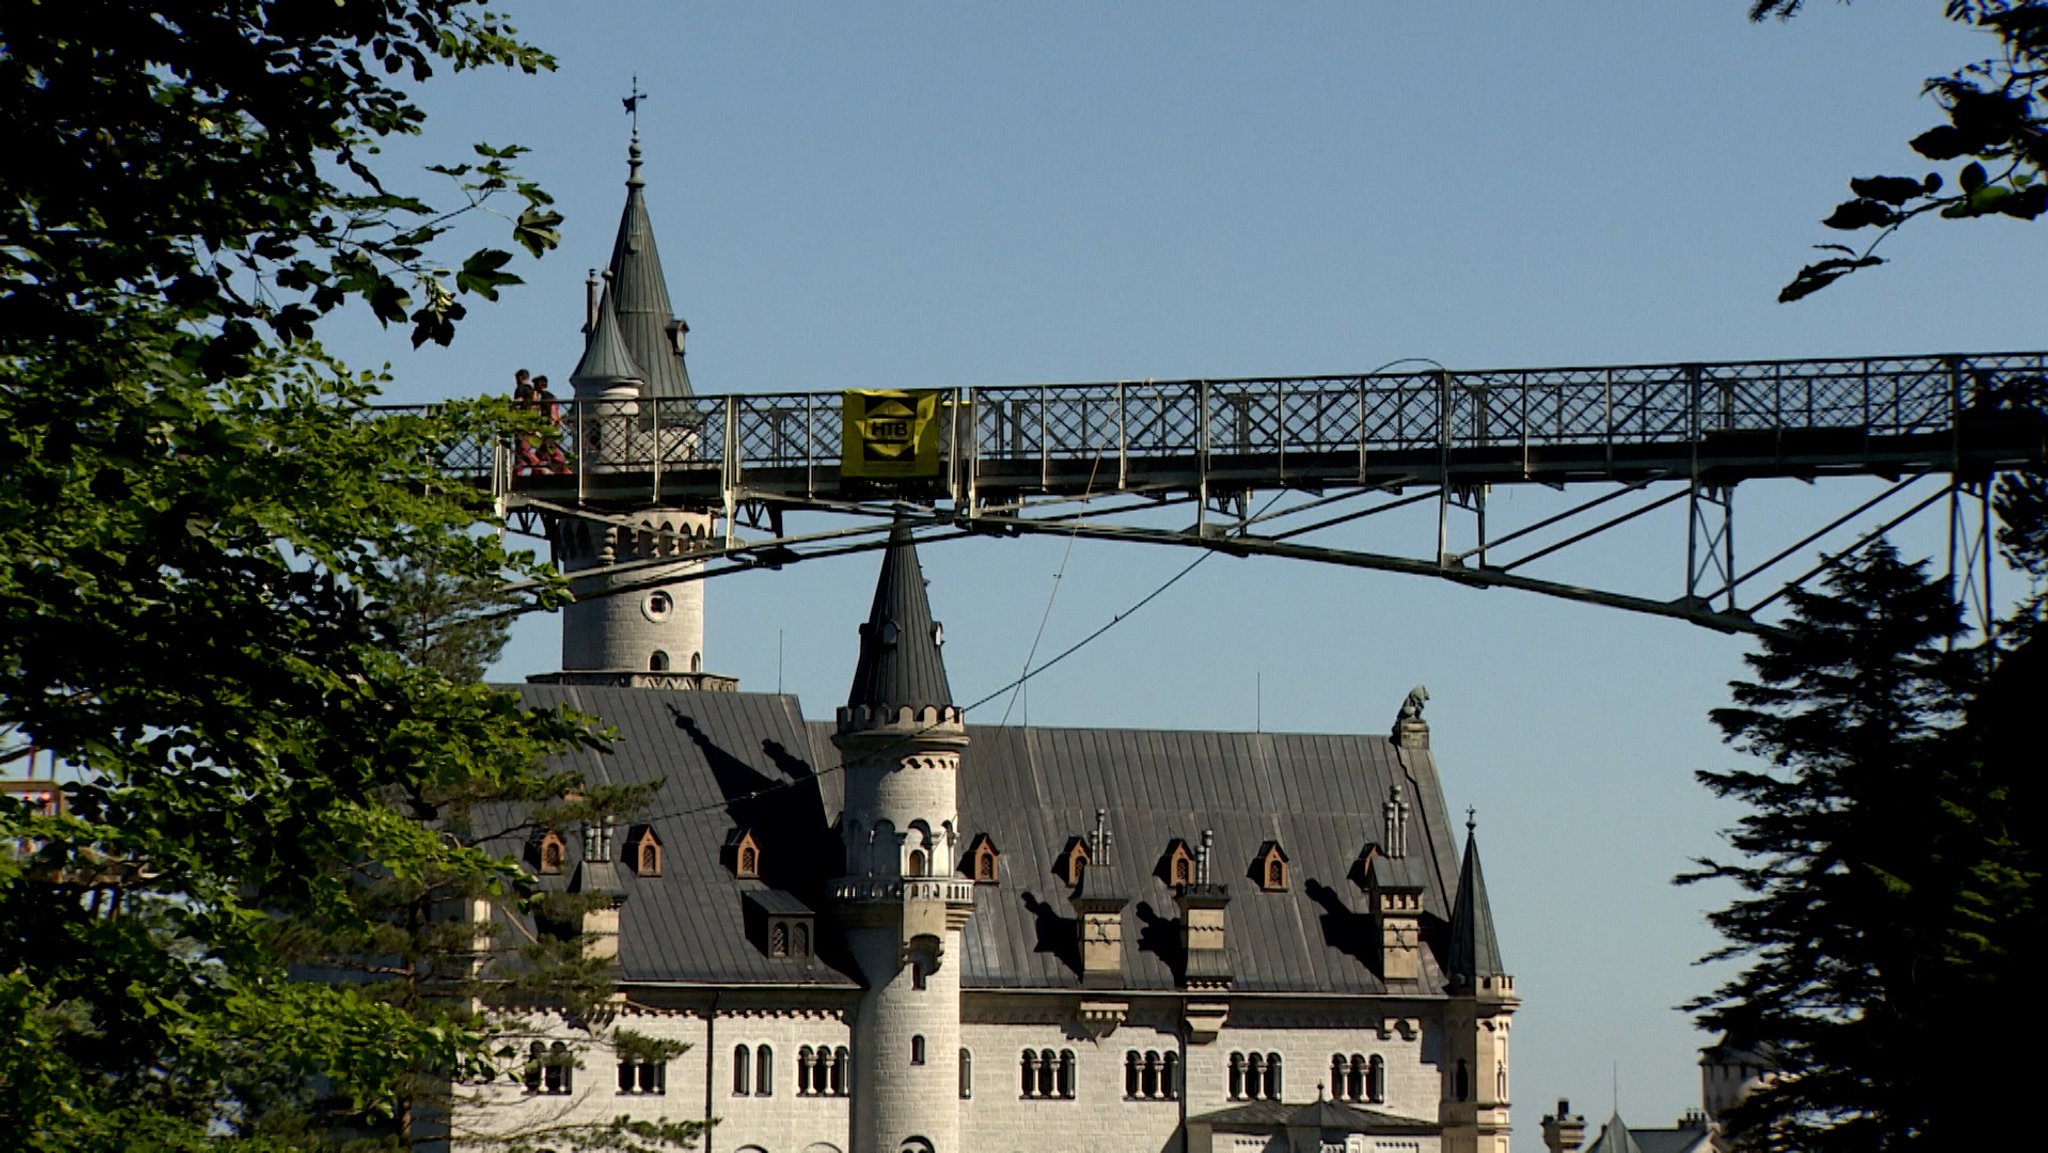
550,457
522,398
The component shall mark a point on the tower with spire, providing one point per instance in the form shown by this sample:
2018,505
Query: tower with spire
1477,1018
902,899
638,617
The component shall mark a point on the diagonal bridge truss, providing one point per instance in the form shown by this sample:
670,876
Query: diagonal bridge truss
1397,471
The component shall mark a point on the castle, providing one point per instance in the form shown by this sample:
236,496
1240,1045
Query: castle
896,932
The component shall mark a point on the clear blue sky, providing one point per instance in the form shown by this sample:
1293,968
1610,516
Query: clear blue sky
936,195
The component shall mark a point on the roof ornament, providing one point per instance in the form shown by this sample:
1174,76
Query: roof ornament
1471,820
1411,709
1202,856
1395,812
632,102
1099,847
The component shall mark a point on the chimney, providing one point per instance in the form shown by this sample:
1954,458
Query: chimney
1564,1130
592,289
1202,908
1100,901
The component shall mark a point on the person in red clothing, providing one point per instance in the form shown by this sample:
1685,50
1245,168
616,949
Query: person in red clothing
549,457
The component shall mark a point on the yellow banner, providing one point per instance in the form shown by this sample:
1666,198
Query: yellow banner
890,434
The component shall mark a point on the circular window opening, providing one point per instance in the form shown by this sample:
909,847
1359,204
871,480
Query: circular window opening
658,605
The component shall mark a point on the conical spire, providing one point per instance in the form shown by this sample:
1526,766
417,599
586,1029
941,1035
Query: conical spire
1615,1138
900,665
647,323
606,363
1475,950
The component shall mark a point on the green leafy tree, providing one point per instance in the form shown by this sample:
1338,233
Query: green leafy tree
1994,141
198,513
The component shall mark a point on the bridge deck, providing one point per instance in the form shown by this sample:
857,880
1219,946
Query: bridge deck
1714,423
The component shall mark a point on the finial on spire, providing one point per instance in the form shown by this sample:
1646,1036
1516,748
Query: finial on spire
632,102
1471,819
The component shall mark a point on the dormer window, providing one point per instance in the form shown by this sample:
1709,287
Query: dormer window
550,852
743,854
643,851
1073,861
983,861
1269,868
1178,866
779,924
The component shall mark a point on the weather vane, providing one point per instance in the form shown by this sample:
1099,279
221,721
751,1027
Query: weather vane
632,103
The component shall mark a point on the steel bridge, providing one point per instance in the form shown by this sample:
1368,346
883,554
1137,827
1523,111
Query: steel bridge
1259,464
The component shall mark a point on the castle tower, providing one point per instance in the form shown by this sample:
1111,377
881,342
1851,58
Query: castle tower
903,900
630,625
1477,1020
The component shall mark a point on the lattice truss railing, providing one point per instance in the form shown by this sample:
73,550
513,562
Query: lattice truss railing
1262,463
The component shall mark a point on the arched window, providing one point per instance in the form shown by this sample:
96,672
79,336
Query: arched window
1338,1067
658,663
742,1071
628,1078
1048,1072
1501,1081
966,1075
918,975
560,1073
764,1072
1131,1074
1237,1072
1169,1077
1255,1076
805,1058
916,868
536,1059
1148,1082
1461,1082
650,857
839,1063
1376,1079
803,939
1066,1079
1276,875
778,939
654,1076
1272,1076
917,1049
696,662
750,861
1183,870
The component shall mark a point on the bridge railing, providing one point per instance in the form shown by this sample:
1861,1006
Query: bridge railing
1267,424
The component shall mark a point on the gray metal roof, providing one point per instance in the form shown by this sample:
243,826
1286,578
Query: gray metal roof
1032,789
1475,947
1614,1138
606,363
646,319
1322,1114
899,662
712,752
746,760
1682,1139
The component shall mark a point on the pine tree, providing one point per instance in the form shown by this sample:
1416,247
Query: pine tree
1862,867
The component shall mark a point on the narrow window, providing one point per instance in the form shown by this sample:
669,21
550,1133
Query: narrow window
804,1060
1027,1063
1183,871
778,939
839,1072
916,863
658,663
1237,1076
1169,1077
536,1058
742,1070
803,939
1131,1073
764,1072
750,861
1376,1079
966,1075
654,1076
1461,1082
1272,1076
1149,1082
696,662
917,1049
917,975
1067,1074
1048,1071
560,1073
1337,1067
626,1081
1276,875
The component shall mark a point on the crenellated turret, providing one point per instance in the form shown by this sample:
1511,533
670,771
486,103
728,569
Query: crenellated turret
903,901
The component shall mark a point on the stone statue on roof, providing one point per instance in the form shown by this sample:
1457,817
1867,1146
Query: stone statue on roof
1411,709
